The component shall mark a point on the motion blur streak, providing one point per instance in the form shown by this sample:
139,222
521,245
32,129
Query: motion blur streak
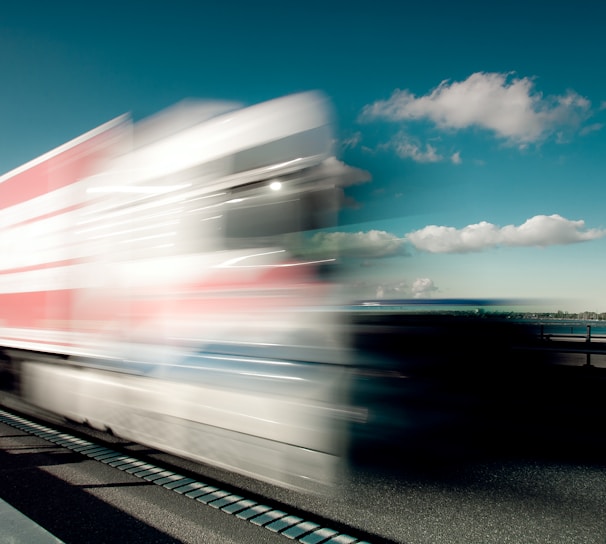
157,281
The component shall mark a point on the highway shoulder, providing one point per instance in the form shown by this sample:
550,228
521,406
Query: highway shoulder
17,528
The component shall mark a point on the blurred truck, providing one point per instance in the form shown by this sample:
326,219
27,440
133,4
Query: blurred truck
157,280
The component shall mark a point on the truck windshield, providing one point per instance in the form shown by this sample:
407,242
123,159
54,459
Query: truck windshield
262,218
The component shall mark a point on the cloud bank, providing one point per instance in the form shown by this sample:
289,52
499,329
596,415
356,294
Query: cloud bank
508,106
538,231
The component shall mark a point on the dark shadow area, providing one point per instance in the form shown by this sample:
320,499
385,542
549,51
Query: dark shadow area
142,483
68,512
15,458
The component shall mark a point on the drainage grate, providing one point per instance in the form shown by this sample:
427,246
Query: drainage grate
277,521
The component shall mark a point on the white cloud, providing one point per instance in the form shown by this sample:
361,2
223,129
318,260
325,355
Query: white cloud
540,230
364,245
392,290
348,175
352,141
409,148
423,288
595,127
499,102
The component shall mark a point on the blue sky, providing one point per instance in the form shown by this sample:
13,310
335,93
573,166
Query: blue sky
481,124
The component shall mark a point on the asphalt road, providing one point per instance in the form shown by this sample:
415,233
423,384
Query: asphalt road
483,499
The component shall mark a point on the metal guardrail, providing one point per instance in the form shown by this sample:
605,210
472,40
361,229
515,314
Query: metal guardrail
574,343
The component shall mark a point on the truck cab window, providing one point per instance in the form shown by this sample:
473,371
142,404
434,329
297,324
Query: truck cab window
267,219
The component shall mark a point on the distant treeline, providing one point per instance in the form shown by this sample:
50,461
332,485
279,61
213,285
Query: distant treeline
584,316
482,312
